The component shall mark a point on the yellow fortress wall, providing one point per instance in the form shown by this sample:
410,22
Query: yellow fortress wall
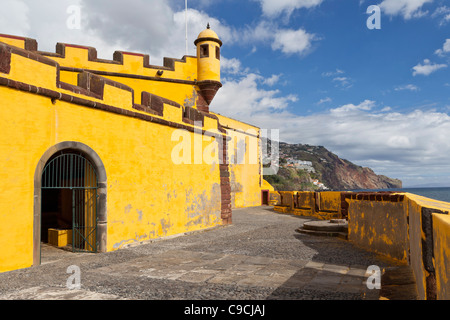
158,151
244,154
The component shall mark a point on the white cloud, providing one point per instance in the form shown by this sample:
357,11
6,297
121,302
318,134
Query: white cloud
397,144
324,100
292,41
14,17
272,80
242,97
427,68
347,109
288,41
332,73
146,26
343,82
232,66
443,13
273,8
446,19
406,8
445,49
410,87
155,27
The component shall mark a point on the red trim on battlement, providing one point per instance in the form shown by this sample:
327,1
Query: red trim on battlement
77,46
12,37
133,53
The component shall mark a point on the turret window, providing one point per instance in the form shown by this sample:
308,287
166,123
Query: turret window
217,53
204,51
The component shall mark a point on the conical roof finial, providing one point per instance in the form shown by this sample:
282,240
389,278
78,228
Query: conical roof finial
207,26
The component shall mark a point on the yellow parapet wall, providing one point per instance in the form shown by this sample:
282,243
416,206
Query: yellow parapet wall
404,227
321,205
380,225
441,243
411,229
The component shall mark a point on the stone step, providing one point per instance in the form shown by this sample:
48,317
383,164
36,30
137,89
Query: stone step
328,228
339,234
334,225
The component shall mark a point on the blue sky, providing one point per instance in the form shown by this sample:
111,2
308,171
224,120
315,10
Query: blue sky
309,68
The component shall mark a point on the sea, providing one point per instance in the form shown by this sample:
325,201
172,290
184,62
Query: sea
441,193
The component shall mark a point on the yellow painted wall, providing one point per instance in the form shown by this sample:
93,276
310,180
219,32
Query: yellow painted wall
148,195
388,224
329,201
391,227
274,198
413,211
441,236
380,226
243,151
304,203
145,200
132,72
267,186
441,243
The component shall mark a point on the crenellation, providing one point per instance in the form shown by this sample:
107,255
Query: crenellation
91,87
29,44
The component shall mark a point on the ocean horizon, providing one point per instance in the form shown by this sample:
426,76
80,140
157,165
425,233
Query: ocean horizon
436,193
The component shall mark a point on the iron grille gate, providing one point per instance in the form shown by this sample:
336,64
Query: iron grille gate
73,172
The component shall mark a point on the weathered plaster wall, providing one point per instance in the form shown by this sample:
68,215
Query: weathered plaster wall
380,226
321,205
244,156
429,239
441,236
148,194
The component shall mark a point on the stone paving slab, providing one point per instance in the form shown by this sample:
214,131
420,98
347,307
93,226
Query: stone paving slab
56,293
240,270
255,258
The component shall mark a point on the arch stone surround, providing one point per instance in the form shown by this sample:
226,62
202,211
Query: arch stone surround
92,156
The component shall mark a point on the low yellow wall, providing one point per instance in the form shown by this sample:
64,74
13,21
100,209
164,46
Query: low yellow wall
380,226
321,205
274,198
441,236
404,227
411,229
429,241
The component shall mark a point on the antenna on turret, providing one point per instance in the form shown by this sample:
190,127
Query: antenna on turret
185,18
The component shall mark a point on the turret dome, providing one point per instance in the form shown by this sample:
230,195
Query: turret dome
208,35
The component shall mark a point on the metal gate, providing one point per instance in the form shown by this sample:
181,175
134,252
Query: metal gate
71,171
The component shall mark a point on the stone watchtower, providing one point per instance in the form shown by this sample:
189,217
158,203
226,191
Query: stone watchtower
208,67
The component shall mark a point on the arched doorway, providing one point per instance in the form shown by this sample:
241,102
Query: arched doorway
70,195
69,200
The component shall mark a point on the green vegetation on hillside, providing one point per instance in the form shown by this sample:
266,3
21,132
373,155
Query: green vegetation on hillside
291,179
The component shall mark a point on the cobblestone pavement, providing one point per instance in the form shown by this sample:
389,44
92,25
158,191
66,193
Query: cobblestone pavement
259,257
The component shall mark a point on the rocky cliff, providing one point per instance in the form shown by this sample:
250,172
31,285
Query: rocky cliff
334,172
